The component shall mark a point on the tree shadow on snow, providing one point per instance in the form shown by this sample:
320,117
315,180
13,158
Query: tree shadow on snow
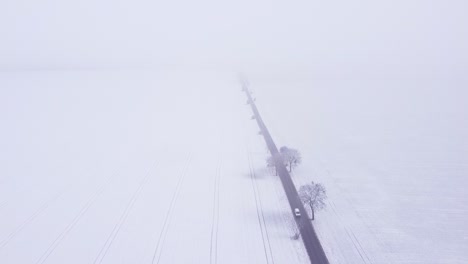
259,173
279,223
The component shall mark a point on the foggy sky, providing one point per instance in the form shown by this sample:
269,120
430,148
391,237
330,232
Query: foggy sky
329,38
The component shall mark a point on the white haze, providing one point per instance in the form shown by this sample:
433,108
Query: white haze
373,93
321,38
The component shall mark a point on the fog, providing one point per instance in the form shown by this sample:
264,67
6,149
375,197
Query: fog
373,94
332,39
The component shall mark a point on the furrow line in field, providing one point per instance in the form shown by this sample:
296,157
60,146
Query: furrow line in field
215,217
115,231
260,215
263,218
30,219
75,220
162,236
352,238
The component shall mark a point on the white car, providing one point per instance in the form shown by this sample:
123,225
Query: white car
297,213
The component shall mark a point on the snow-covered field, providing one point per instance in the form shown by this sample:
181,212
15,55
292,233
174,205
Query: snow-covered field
135,167
393,155
159,167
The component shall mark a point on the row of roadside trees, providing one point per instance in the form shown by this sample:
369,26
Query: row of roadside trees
313,194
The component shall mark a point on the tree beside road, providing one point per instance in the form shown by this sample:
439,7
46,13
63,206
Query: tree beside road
313,195
291,157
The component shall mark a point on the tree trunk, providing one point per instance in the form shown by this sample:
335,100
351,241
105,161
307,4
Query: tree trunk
290,167
312,210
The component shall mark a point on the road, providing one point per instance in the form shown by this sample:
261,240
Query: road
309,237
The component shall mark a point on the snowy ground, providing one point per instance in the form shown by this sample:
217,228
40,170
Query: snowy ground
144,167
135,167
393,156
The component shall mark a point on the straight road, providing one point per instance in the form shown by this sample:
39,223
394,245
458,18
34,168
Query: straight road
309,237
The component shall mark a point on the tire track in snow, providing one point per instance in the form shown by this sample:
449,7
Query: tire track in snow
75,220
215,217
30,219
260,215
115,231
357,245
162,236
351,236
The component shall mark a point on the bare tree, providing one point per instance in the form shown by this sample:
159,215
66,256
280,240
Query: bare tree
271,164
291,157
313,195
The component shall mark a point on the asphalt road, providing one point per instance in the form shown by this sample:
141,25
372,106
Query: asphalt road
309,237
